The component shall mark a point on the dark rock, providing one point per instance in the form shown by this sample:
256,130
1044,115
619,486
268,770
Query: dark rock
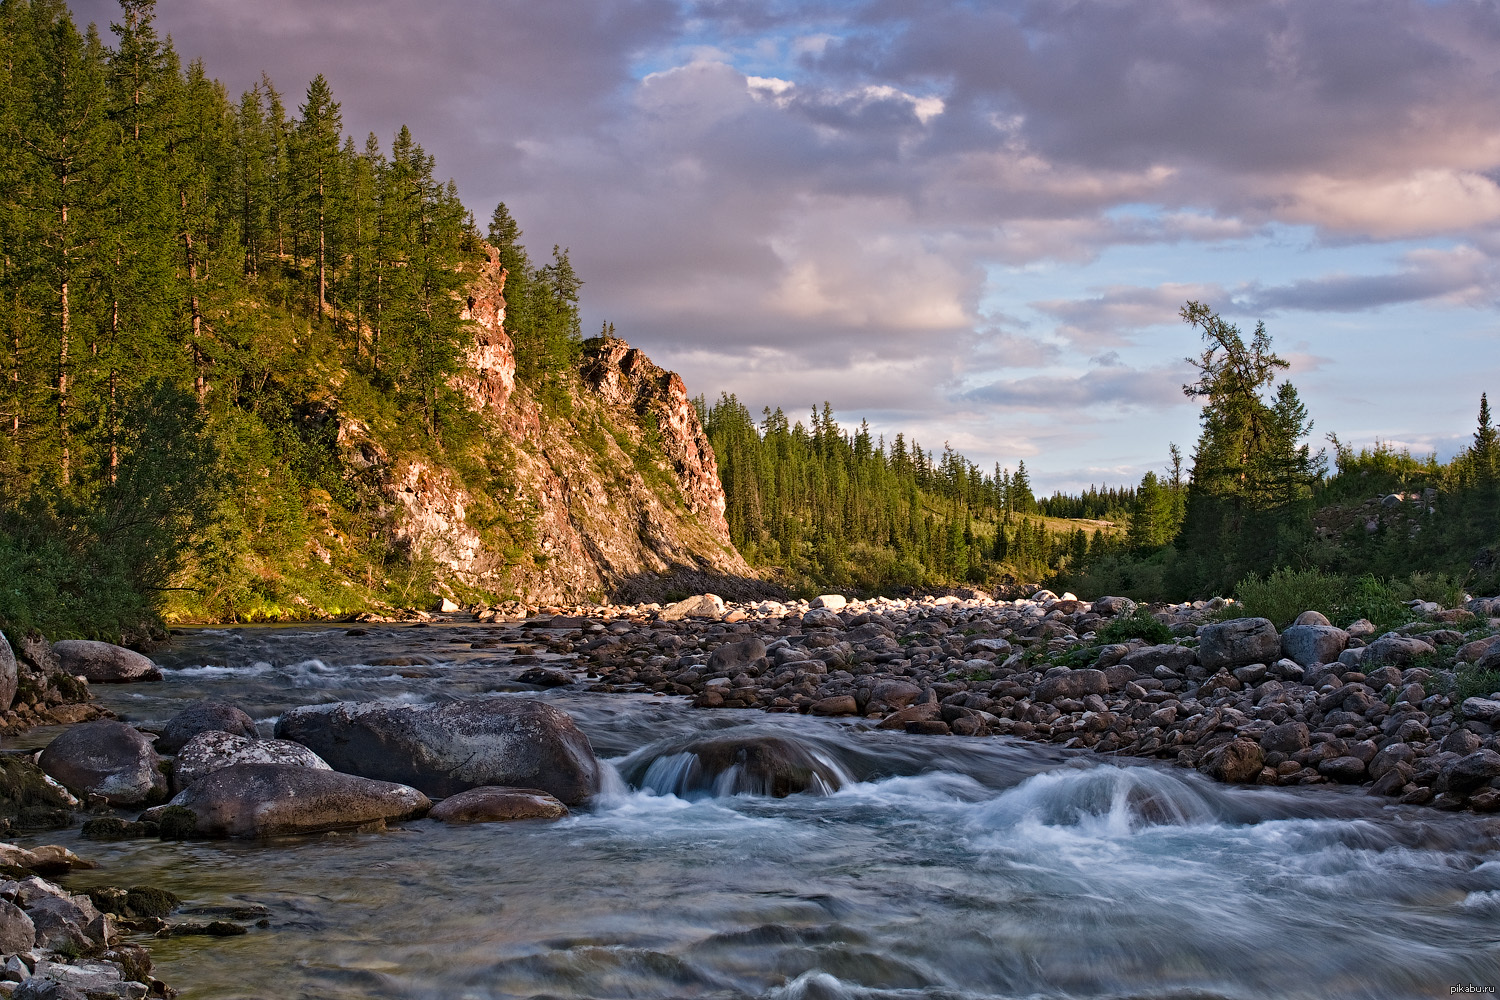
915,713
756,765
1226,645
64,922
1471,771
103,662
545,677
932,727
895,693
1072,684
1461,742
28,801
211,751
202,717
1387,759
841,704
1237,761
1485,710
491,804
272,800
47,988
1287,738
734,657
1346,770
107,758
1113,606
111,828
1172,656
448,748
1400,650
17,932
1392,782
1309,645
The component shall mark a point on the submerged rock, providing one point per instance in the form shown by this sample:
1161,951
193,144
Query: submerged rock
104,663
449,748
253,801
728,765
107,758
491,804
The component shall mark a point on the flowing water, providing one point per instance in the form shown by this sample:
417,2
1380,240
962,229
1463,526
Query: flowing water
933,867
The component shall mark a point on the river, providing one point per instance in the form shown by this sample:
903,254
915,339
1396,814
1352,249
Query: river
943,867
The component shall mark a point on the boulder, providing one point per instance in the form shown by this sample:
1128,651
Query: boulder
702,606
47,988
1312,618
251,801
1170,655
833,602
822,618
9,676
1237,761
17,932
1399,650
63,922
545,677
449,748
491,804
1468,773
755,765
1388,759
839,704
1469,652
1111,606
1310,645
203,717
1489,659
107,758
103,662
1287,738
213,751
1073,684
733,657
1238,643
895,693
1481,709
1347,770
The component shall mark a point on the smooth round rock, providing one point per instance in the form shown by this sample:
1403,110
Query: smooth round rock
494,804
204,717
107,758
213,751
103,662
253,801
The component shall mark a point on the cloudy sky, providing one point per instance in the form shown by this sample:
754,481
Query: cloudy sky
972,221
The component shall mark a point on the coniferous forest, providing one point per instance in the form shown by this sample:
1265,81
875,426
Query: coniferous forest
190,285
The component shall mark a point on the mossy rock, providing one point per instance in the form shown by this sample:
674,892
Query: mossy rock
177,823
149,901
27,800
111,828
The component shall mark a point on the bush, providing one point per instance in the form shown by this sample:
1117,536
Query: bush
1286,593
1469,682
1372,599
1139,624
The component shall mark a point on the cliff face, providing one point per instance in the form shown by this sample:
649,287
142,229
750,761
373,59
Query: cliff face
602,497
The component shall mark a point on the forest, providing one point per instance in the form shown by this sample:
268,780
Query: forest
191,286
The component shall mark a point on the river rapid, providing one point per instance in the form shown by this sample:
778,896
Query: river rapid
940,867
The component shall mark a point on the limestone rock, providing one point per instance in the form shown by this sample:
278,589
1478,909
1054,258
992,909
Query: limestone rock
202,717
251,801
213,751
491,804
446,749
1237,643
104,663
107,758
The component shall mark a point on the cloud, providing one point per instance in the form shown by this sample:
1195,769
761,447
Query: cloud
1114,386
1108,318
1461,276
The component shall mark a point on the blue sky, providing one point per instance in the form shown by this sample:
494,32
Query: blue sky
973,222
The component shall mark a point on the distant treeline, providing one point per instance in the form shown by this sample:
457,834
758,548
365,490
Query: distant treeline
189,287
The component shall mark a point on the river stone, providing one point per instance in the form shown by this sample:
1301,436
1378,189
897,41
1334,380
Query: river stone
833,602
1483,709
1111,606
1310,645
17,932
1287,738
1169,655
492,804
63,921
1397,649
702,606
212,751
203,717
8,674
755,765
545,677
1073,684
1234,762
446,749
896,693
1470,772
821,618
1489,659
1347,770
839,704
250,801
1312,618
1386,760
103,662
1471,652
733,657
1238,643
107,758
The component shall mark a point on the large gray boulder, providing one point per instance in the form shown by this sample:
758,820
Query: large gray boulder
103,662
1238,643
204,717
446,749
1072,684
251,801
107,758
1310,645
702,606
8,674
1169,655
1398,650
213,751
17,932
737,656
734,765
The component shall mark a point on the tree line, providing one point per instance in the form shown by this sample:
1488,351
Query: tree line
191,286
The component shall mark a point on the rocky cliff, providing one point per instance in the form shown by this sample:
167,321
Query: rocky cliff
610,491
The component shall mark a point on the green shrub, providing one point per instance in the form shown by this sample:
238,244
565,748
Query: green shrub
1372,599
1286,593
1469,682
1139,624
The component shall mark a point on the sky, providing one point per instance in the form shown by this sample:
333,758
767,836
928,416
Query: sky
974,222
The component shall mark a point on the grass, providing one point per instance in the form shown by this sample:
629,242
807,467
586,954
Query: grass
1139,624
